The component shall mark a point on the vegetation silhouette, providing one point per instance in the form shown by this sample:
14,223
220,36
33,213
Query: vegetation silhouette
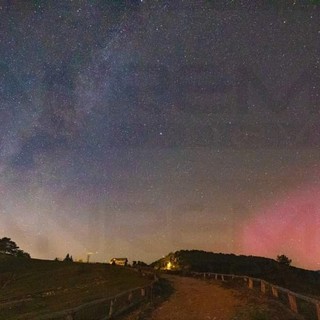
68,258
139,264
284,260
284,275
7,246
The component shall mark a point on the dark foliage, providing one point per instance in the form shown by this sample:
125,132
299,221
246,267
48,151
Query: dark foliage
68,258
284,260
7,246
295,279
139,264
201,261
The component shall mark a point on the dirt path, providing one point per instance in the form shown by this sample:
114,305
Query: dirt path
196,300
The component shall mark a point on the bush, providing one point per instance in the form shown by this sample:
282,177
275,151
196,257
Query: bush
284,260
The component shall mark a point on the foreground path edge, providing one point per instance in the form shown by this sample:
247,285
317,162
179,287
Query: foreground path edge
195,299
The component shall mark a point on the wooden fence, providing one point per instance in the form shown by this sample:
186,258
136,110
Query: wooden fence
266,288
106,308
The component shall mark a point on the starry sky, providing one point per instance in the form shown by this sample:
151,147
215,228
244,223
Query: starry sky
137,128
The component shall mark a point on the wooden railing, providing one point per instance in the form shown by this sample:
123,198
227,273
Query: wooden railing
106,308
266,287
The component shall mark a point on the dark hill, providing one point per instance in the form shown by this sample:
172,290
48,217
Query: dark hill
296,279
201,261
30,288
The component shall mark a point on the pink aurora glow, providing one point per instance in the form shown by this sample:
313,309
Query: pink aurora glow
287,226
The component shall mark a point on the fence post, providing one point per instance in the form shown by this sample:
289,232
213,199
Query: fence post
130,297
216,276
263,287
250,283
222,277
275,292
143,292
111,309
293,303
318,310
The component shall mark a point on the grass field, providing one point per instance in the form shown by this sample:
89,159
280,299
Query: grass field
30,287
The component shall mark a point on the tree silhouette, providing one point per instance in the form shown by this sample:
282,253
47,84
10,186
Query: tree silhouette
68,258
284,260
22,254
7,246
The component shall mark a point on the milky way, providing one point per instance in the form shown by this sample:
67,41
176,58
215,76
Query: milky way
139,129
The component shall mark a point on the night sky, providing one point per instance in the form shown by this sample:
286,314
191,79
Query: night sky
138,128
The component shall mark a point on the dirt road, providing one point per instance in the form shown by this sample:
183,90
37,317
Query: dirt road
196,300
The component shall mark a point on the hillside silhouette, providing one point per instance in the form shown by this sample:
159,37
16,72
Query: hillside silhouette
31,288
295,279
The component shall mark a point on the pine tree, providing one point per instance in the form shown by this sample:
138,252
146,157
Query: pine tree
68,258
7,246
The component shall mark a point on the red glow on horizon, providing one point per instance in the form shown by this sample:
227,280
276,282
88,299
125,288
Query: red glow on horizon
287,226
